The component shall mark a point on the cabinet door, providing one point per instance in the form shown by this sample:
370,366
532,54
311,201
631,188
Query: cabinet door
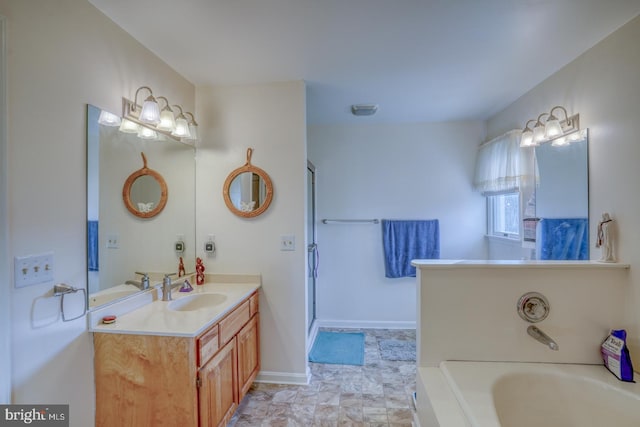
218,392
248,355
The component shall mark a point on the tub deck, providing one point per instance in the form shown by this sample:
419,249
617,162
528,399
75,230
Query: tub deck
460,394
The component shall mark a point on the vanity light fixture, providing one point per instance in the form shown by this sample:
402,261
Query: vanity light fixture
146,133
150,112
165,122
527,135
108,119
193,128
364,109
182,126
551,129
568,139
127,126
538,130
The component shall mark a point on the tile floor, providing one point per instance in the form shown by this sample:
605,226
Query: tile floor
378,394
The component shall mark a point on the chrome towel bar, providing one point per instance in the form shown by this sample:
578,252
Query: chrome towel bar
350,221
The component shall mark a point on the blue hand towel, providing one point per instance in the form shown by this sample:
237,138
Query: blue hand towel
92,245
406,240
564,238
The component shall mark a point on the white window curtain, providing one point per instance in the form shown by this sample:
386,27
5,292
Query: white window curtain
502,165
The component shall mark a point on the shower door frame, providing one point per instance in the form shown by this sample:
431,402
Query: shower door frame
311,246
5,280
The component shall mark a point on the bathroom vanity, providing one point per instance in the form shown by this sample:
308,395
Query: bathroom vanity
187,362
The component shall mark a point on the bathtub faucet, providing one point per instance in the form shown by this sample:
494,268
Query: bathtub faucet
542,337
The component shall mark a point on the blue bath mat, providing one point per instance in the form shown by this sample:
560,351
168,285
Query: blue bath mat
338,348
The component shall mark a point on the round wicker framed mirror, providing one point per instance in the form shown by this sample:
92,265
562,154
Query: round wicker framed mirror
248,190
145,192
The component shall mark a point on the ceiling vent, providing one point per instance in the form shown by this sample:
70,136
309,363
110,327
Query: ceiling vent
364,109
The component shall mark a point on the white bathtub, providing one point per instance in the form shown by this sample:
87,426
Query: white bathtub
496,394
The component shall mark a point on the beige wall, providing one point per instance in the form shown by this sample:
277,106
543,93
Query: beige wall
270,118
603,86
359,176
467,311
61,56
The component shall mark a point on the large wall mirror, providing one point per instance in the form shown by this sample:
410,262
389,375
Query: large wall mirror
562,200
122,243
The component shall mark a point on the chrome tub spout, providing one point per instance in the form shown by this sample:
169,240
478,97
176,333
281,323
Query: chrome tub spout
542,337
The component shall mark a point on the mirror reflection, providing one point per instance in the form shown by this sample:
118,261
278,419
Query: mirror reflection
145,192
248,190
562,201
121,245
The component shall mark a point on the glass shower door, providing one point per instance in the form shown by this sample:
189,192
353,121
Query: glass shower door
312,246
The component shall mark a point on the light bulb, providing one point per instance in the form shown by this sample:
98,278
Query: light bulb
559,142
527,138
108,119
167,121
538,133
193,131
182,128
150,111
552,128
146,133
127,126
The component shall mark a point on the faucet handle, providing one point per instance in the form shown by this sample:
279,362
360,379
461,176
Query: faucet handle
143,274
533,307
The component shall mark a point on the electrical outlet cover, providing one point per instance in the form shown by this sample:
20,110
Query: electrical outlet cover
288,242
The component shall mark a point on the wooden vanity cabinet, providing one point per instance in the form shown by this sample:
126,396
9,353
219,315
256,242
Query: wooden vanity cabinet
178,381
248,356
218,388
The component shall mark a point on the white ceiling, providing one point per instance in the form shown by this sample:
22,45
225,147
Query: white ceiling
419,60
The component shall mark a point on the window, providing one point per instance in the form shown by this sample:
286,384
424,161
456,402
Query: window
503,215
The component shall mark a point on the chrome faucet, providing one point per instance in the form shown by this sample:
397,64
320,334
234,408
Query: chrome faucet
166,287
144,281
142,284
545,339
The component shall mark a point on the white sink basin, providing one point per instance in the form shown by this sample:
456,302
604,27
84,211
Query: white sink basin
197,302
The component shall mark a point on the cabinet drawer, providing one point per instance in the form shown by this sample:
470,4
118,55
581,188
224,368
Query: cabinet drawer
208,345
253,304
230,325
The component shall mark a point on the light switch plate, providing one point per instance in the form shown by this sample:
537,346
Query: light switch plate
33,269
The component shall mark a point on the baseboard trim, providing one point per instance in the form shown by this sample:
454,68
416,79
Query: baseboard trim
364,324
283,377
312,335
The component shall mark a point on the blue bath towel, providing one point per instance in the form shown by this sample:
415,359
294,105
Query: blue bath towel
92,245
564,238
406,240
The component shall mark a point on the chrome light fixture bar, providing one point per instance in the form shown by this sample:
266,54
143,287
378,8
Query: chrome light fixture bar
148,120
550,129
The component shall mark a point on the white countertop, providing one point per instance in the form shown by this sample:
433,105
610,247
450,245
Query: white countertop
152,316
483,263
